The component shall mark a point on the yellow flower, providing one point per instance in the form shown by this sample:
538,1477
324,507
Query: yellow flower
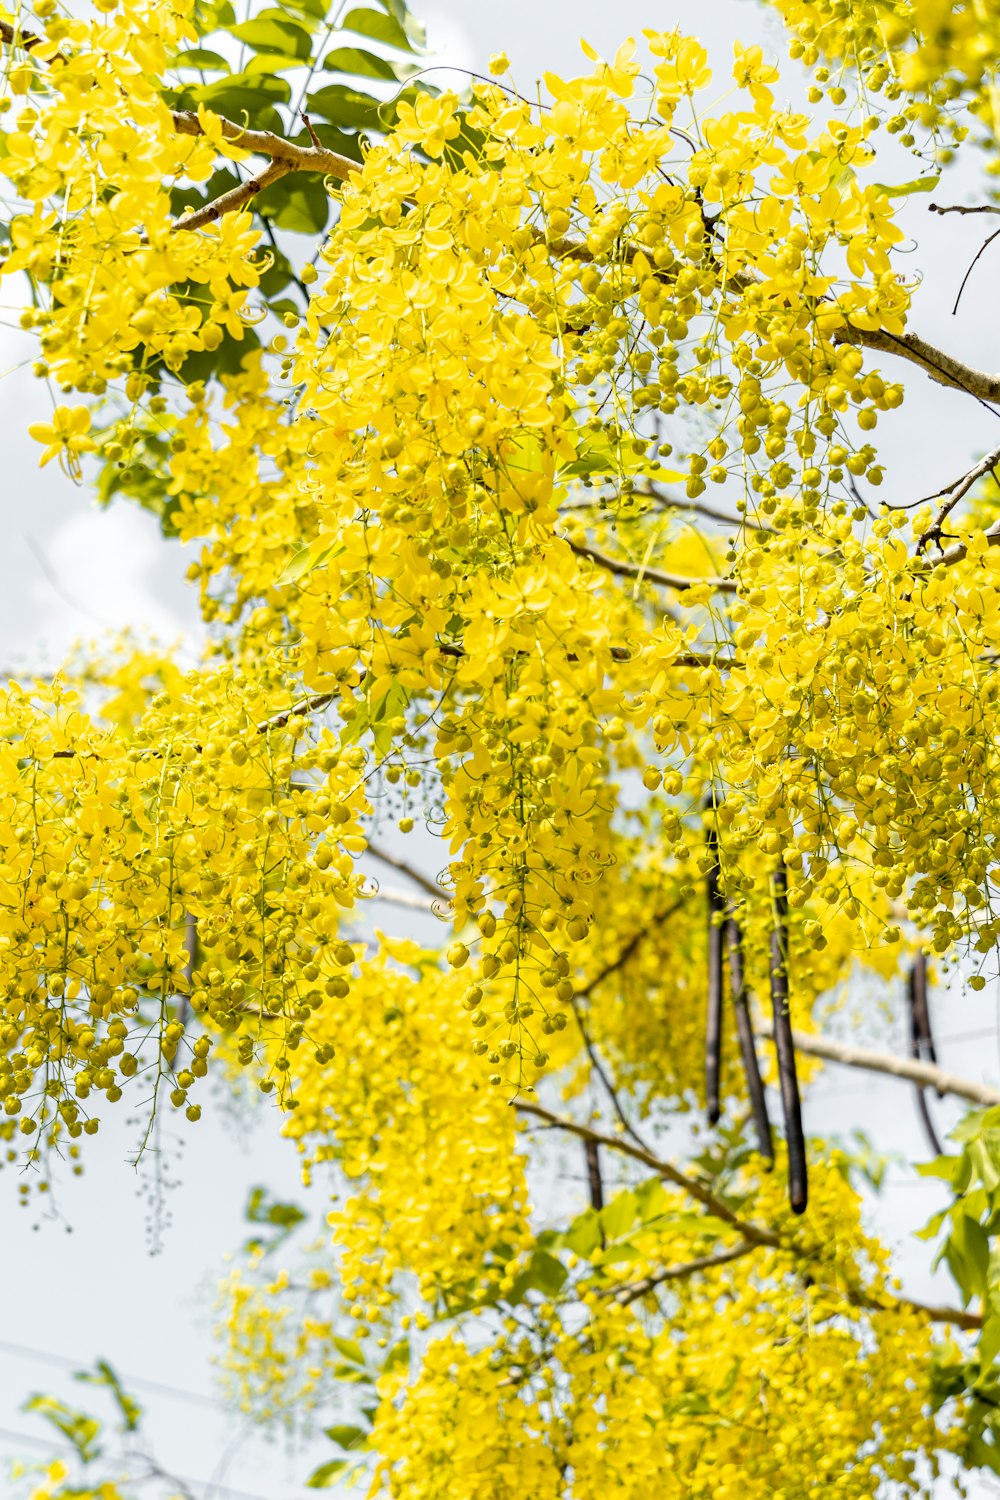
65,437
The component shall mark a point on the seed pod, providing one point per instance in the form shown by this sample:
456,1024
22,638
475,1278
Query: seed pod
921,1041
713,1023
590,1149
798,1188
744,1031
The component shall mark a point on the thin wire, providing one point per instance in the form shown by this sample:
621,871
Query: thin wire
23,1351
37,1442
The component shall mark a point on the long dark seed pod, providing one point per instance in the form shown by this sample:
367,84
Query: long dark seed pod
920,1012
744,1031
594,1175
921,1041
713,1023
798,1188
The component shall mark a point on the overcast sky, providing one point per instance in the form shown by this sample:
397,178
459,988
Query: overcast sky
68,569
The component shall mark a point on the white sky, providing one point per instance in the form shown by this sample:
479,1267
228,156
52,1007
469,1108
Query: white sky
68,569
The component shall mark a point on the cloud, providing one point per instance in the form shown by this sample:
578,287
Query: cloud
105,571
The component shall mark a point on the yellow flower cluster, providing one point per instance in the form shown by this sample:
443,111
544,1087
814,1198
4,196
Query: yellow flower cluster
456,547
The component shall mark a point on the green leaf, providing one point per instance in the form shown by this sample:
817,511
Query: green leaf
361,64
203,59
618,1216
547,1272
905,189
381,28
346,1436
583,1236
312,10
267,34
327,1474
651,1199
267,63
380,717
989,1342
80,1430
298,203
264,1210
617,1254
349,1350
349,108
128,1406
398,1357
313,556
246,98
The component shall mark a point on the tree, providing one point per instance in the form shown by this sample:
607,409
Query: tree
695,763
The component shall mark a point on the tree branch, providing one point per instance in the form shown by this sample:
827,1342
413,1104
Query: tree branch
12,36
233,200
636,1289
959,208
960,550
266,143
623,569
955,493
942,367
403,898
886,1062
757,1234
753,1234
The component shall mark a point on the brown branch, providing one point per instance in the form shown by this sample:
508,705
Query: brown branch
959,208
233,200
636,1289
752,1234
623,569
957,1316
756,1233
403,898
11,36
740,523
266,143
410,871
942,367
954,494
894,1067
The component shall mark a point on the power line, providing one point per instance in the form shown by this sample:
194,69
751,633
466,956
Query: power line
23,1351
208,1484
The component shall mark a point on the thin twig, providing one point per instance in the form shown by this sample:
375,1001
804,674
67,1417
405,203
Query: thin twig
757,1233
632,1291
955,493
960,208
972,266
623,569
